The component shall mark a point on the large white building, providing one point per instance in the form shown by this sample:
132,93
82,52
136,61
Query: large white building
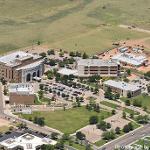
130,59
89,67
122,88
25,142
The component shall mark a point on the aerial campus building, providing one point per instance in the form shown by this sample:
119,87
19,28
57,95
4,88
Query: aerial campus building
89,67
21,67
21,93
25,142
129,59
122,88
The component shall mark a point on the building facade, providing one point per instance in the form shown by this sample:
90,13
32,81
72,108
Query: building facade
89,67
122,88
21,67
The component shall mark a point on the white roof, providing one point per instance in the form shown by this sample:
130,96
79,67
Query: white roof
10,59
130,59
96,62
27,141
24,88
122,85
65,71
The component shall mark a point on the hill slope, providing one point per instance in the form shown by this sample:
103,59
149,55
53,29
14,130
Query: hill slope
85,25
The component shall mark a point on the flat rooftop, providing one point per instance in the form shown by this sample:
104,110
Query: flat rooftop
65,71
95,62
10,59
122,85
24,88
130,59
26,141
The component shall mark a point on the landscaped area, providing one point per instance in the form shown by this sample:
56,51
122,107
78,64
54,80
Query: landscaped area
141,100
68,121
109,104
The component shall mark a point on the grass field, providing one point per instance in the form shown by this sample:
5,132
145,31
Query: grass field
109,104
145,100
85,25
67,121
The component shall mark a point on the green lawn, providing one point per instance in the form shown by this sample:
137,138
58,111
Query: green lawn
109,104
130,111
68,121
84,25
145,100
77,146
100,143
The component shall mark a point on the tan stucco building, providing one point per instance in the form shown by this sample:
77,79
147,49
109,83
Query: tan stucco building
21,67
89,67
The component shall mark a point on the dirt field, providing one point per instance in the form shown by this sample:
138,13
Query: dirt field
92,133
117,120
4,123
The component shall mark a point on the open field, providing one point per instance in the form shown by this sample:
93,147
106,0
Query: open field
85,25
68,121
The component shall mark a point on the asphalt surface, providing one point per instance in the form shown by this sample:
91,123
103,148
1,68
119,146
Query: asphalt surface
127,139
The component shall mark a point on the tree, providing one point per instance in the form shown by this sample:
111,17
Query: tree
124,115
93,120
129,95
113,112
51,52
142,119
65,137
127,102
88,147
5,91
54,135
117,130
126,129
80,136
40,93
108,94
39,120
85,56
132,115
60,145
47,147
43,54
128,72
102,125
38,42
108,125
108,135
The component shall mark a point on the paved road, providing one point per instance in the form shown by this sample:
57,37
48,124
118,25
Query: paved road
127,139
